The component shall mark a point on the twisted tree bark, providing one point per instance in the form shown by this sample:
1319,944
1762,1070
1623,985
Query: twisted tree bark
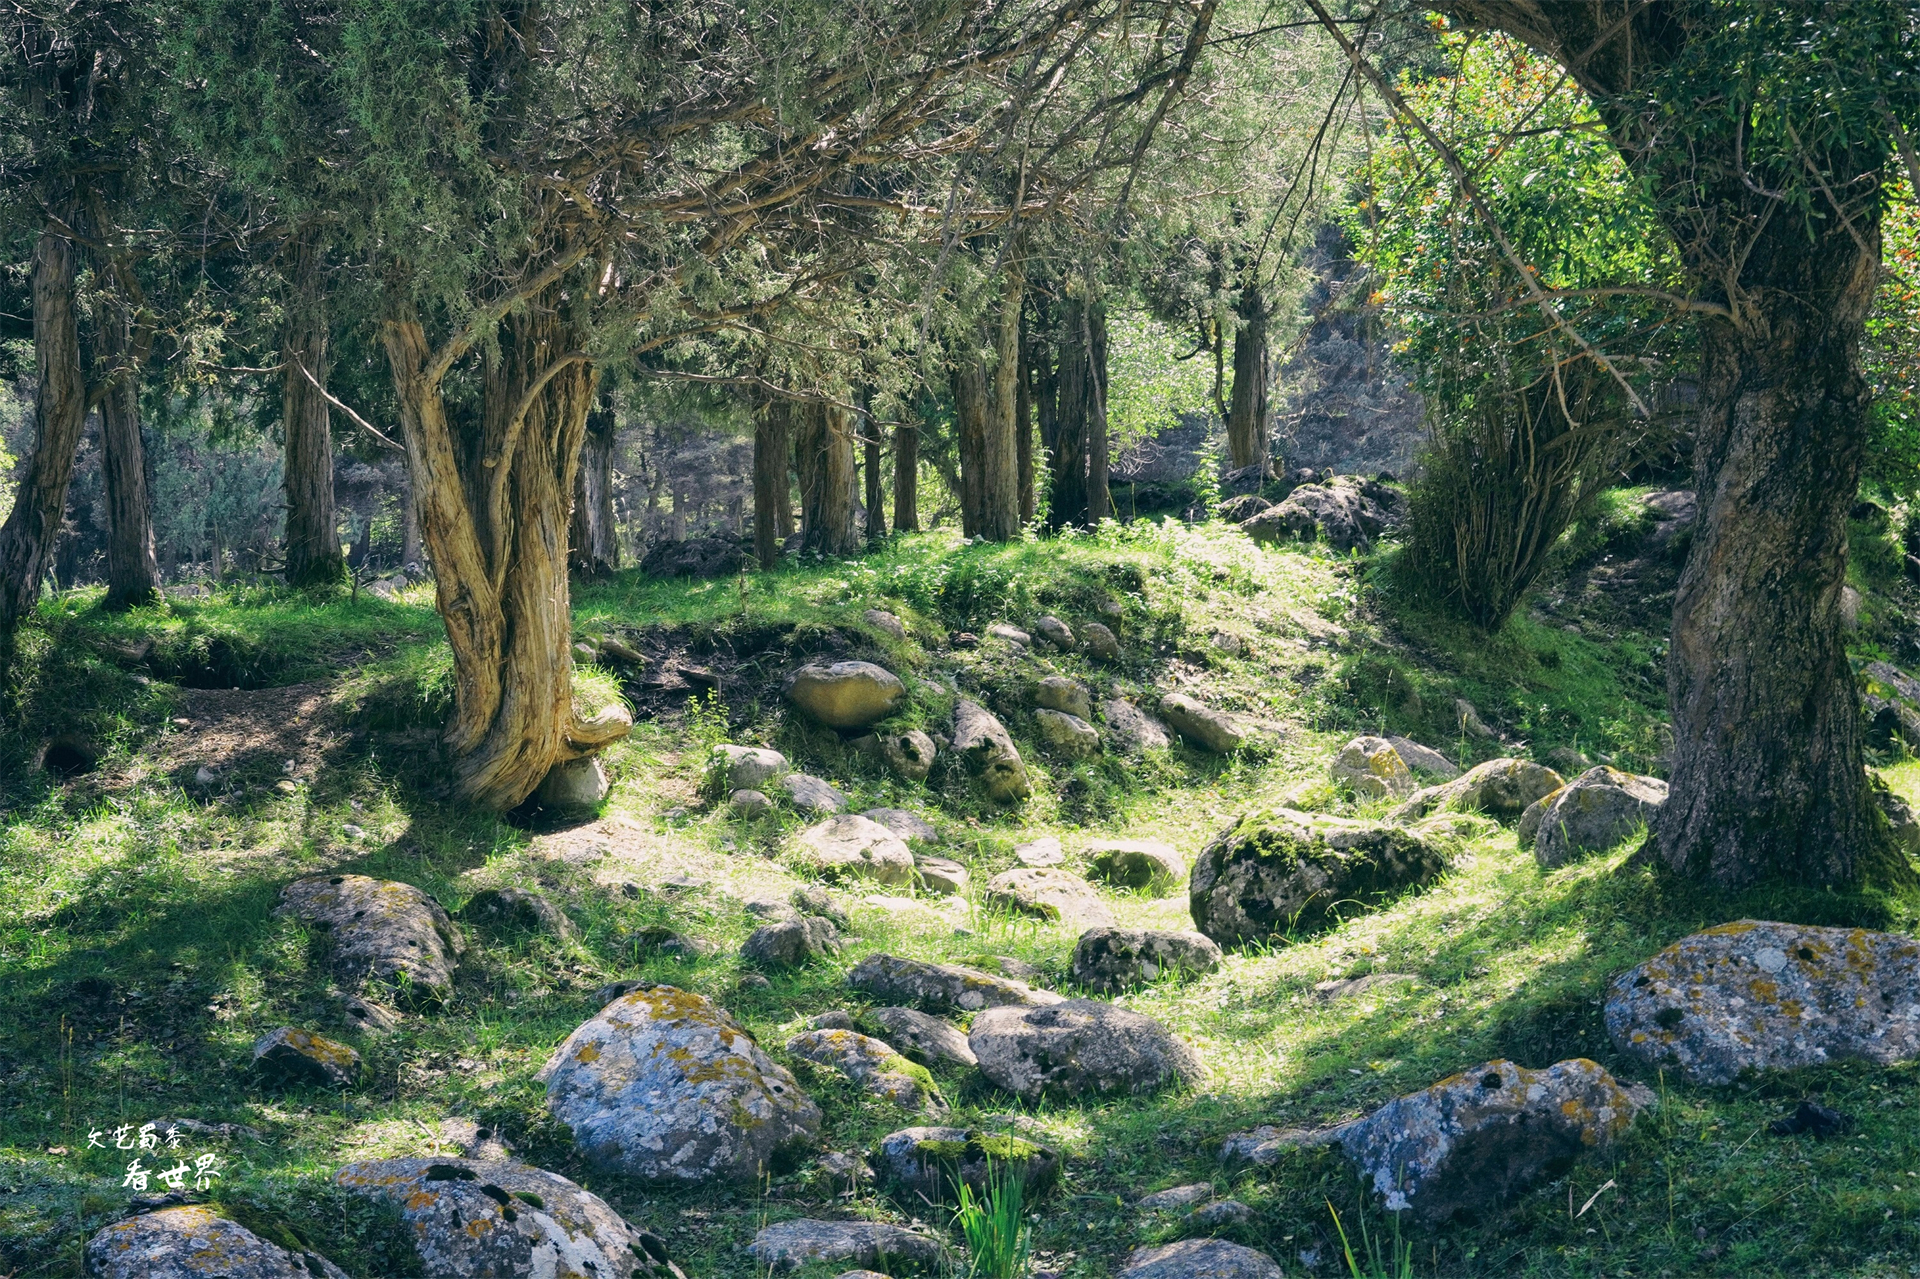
1247,415
133,571
772,501
823,446
595,539
313,536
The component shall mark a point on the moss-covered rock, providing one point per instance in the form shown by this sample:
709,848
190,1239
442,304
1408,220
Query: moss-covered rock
930,1162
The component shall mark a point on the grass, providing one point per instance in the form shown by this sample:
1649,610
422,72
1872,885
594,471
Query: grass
140,956
999,1241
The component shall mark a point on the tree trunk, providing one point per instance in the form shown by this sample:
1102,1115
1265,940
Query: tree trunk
133,571
494,502
1072,431
824,448
313,538
1247,416
59,410
1099,500
596,543
410,553
876,514
970,413
906,478
772,500
1023,431
987,408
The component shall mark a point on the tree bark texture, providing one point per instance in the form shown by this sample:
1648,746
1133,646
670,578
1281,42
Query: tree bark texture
986,403
595,539
59,410
1099,497
1023,430
1079,462
906,478
823,442
876,512
494,497
772,498
313,537
1247,413
133,571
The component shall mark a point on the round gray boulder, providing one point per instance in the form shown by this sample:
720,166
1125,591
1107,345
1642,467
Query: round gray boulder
788,1245
814,796
1068,734
194,1242
941,987
1069,696
1500,788
791,943
1111,959
1049,893
1374,769
1201,724
846,695
748,767
983,744
1200,1259
850,845
1077,1048
920,1037
1593,812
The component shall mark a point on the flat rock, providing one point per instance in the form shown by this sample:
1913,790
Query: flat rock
574,786
380,930
1069,696
1068,734
1592,813
194,1242
1045,851
1099,641
1010,634
942,987
920,1037
1474,1140
1175,1198
788,1245
871,1063
928,1163
300,1056
1111,959
1499,787
1215,1216
748,767
814,796
983,745
1135,863
1202,725
663,1084
846,695
1200,1259
1374,769
1049,893
518,909
1267,1145
791,943
1078,1048
1277,870
1424,759
470,1218
849,846
940,875
1340,988
904,824
1756,996
1132,728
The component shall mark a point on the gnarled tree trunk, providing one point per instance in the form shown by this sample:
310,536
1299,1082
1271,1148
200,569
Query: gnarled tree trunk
1099,498
823,445
596,542
133,571
313,537
986,404
1247,424
772,499
906,478
876,512
1079,461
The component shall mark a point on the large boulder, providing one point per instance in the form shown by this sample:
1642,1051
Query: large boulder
1472,1141
788,1245
1069,696
1078,1048
904,824
1423,759
791,943
1593,812
517,910
1136,863
1099,641
748,767
194,1242
574,786
1758,996
920,1037
1132,729
380,930
1202,725
814,796
663,1084
1200,1259
469,1218
695,557
941,875
300,1056
871,1063
846,695
1068,734
1111,959
850,845
1499,788
1374,769
1347,512
990,755
941,987
1049,893
926,1164
1277,870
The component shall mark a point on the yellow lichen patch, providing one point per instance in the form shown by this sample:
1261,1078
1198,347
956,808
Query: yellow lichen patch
421,1199
587,1052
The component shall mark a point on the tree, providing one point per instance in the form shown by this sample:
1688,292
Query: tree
823,450
313,539
594,539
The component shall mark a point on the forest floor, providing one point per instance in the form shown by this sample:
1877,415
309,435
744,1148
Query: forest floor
140,956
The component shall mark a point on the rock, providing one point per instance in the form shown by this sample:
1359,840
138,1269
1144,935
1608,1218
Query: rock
472,1217
1374,769
846,695
1567,761
368,1017
620,651
1238,510
1812,1117
1100,642
886,623
926,1164
1010,634
1068,734
696,557
1045,851
1077,1048
206,776
1899,815
388,931
1069,696
811,900
1499,788
1346,512
751,984
814,796
1228,1212
842,1169
1202,725
1474,1140
849,845
1054,631
1469,720
921,1038
982,742
1111,959
193,1242
903,824
1351,987
658,939
788,1245
1593,812
750,805
1049,893
1132,728
791,943
871,1063
574,786
1277,870
1267,1145
300,1056
835,1019
909,755
521,909
1528,828
1135,863
1175,1198
1200,1259
748,767
860,1274
1423,759
941,987
1761,996
663,1084
940,875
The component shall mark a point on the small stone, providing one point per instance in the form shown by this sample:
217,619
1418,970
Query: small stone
1500,788
1353,987
920,1037
300,1056
791,943
658,939
886,623
1567,761
842,1169
750,805
910,754
788,1245
1593,812
813,796
836,1019
516,908
1054,631
1200,1259
1266,1145
1068,734
193,1242
574,786
940,875
1133,729
1227,1212
353,832
849,845
1045,851
748,767
1078,1048
1424,759
1111,959
846,695
1010,634
205,776
983,744
1136,863
1049,894
941,987
1374,769
387,931
285,787
752,984
903,824
1202,725
1469,720
1069,696
368,1017
1176,1197
1100,642
871,1063
925,1164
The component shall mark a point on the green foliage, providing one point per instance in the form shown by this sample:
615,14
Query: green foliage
1396,1262
1150,388
1893,349
999,1242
